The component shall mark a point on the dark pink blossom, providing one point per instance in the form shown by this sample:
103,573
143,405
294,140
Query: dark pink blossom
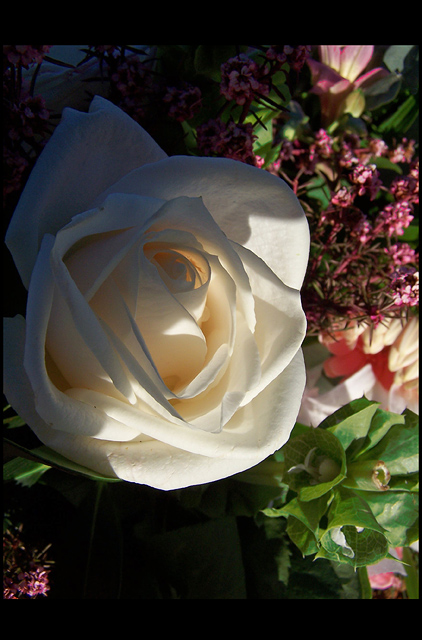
395,218
229,140
183,103
405,287
343,197
366,177
242,79
25,54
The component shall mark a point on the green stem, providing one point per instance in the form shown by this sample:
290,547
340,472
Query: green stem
365,585
412,578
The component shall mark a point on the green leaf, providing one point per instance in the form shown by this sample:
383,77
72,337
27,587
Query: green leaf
302,537
382,92
410,234
303,521
23,471
319,190
353,535
319,450
382,422
47,456
397,512
403,118
398,449
352,421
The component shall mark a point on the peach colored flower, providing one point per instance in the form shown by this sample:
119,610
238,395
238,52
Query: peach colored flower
392,350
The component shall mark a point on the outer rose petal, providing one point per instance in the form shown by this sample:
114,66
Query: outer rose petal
154,463
85,155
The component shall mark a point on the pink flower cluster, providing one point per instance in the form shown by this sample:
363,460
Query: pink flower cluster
31,583
26,571
353,249
132,86
242,79
183,103
395,218
28,118
366,178
294,55
24,54
228,140
405,287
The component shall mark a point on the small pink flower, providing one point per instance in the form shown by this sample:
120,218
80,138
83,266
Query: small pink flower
324,143
295,56
343,197
25,54
403,151
366,177
377,147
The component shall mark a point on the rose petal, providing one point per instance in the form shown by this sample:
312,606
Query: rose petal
264,429
53,406
252,207
280,320
85,155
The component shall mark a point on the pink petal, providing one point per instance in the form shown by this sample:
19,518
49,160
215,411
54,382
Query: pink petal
330,55
354,59
371,77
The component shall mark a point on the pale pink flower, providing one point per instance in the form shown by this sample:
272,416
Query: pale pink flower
386,574
337,78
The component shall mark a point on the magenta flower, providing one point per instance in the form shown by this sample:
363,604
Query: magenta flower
337,79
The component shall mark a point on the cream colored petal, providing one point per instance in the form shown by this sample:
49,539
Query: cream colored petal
53,406
252,207
86,154
280,320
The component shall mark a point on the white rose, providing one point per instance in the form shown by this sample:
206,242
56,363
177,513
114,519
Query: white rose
162,340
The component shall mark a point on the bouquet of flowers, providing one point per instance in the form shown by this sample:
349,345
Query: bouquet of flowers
211,342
